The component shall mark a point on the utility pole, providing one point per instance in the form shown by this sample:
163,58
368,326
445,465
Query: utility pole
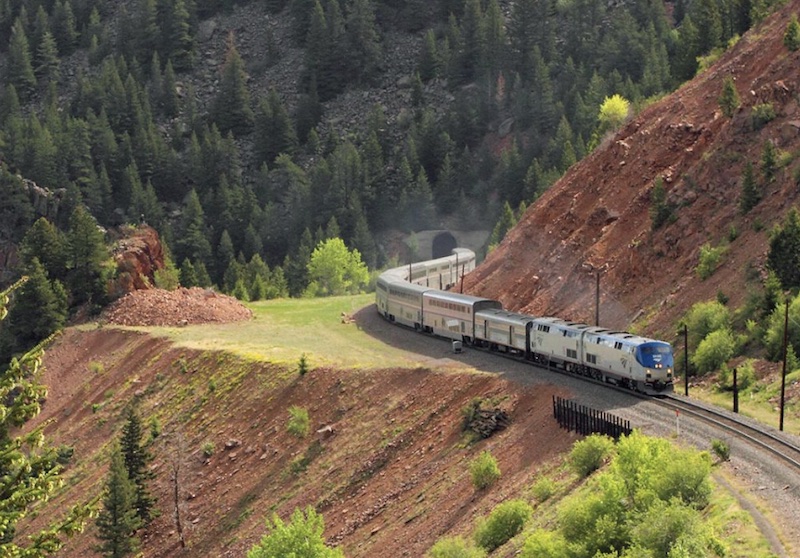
785,346
597,298
685,360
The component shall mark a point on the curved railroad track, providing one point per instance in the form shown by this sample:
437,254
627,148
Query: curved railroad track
753,433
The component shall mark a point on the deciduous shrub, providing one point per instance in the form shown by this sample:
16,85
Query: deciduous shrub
762,114
301,538
505,521
745,377
710,259
299,424
715,350
484,470
543,489
455,547
588,455
721,449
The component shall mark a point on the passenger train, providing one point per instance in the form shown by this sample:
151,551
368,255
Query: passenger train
420,296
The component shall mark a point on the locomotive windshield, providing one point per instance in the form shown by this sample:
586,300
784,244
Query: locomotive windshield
654,354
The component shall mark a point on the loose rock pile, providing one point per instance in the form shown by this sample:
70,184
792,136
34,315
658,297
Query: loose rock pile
157,307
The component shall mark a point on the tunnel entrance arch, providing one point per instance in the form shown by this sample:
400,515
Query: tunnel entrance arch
443,244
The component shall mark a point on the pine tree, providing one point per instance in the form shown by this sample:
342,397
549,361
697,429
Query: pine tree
30,466
64,27
188,274
137,460
791,37
428,65
146,30
44,242
769,161
39,310
19,68
784,250
296,267
118,521
364,43
505,223
709,24
750,193
192,238
86,258
180,47
729,99
231,108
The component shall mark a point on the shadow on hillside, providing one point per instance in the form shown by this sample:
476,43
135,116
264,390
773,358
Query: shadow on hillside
435,352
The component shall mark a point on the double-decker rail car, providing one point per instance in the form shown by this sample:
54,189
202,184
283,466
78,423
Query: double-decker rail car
452,315
502,330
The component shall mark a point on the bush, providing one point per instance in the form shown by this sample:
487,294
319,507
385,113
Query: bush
543,489
745,377
762,114
710,259
208,449
455,547
484,470
704,318
715,350
505,521
302,536
544,544
721,449
299,423
588,455
791,37
302,365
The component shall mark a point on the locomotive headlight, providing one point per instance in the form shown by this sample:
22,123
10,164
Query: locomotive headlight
658,365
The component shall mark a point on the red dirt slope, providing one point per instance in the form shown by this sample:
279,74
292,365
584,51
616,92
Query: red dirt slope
598,213
388,468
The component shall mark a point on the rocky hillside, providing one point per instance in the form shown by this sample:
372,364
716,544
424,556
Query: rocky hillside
598,215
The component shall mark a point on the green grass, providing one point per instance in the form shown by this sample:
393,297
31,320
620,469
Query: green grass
282,330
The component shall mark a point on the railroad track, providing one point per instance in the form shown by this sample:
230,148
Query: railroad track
754,434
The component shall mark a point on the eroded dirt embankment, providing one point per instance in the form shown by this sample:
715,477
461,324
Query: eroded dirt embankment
388,468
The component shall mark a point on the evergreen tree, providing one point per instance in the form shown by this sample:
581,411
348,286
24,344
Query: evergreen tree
707,17
188,275
231,108
769,161
47,59
180,43
428,65
791,37
118,521
688,47
729,99
364,43
48,245
274,132
784,250
146,30
19,68
64,27
301,12
750,192
86,258
226,255
309,112
494,35
169,91
192,238
137,460
296,266
39,310
30,466
506,222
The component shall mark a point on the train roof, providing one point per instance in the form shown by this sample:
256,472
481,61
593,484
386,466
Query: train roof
505,316
406,287
450,296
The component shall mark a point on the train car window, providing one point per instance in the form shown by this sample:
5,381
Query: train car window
572,353
618,345
590,358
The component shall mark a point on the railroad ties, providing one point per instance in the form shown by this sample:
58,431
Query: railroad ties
585,420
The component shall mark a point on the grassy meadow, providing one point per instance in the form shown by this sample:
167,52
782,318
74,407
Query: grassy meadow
284,329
